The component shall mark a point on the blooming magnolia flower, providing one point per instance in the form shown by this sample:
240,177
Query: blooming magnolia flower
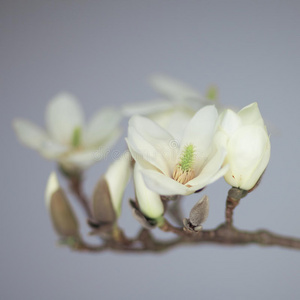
171,167
245,137
175,110
68,140
149,202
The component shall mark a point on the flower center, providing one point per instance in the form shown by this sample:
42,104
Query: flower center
183,171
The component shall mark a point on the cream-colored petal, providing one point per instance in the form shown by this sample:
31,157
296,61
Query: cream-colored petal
149,202
34,137
117,177
51,188
52,150
174,121
63,116
164,185
250,115
29,134
79,159
229,122
153,143
210,171
246,150
101,126
200,132
147,108
172,88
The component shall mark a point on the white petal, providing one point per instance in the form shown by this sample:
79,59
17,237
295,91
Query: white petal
174,121
246,150
200,132
139,158
150,203
164,185
153,143
117,177
29,134
259,170
210,169
250,115
101,126
52,150
172,88
147,108
79,159
229,122
51,188
36,138
63,116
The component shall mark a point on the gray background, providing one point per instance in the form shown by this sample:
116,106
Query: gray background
104,52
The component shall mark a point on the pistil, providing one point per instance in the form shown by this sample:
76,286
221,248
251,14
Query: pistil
183,171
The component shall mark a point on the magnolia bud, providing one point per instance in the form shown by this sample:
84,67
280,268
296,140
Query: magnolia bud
137,214
61,213
108,193
246,140
198,215
102,208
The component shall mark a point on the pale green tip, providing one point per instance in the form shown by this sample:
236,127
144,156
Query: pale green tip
187,158
76,138
212,93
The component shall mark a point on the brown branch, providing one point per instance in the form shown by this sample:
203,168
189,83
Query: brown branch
225,234
75,184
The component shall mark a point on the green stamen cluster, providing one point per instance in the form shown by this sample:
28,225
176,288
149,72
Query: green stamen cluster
187,158
76,138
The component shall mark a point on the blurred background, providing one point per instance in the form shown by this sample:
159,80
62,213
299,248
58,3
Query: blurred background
104,52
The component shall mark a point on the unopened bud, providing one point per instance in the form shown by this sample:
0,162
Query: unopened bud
138,215
102,207
61,213
198,215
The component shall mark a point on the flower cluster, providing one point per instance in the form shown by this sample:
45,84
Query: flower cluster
177,146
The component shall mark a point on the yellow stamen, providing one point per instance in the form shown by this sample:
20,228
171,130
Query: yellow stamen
183,176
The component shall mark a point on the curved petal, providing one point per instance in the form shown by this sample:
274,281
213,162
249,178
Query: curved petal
153,143
79,159
147,108
63,116
34,137
172,88
117,177
52,150
250,115
29,134
150,203
200,132
229,122
51,188
139,158
174,121
245,152
211,171
164,185
101,126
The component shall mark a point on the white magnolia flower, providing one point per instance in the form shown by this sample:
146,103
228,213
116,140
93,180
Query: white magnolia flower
149,202
246,139
68,140
170,166
178,105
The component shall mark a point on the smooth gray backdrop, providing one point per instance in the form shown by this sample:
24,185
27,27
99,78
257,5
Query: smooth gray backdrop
104,53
